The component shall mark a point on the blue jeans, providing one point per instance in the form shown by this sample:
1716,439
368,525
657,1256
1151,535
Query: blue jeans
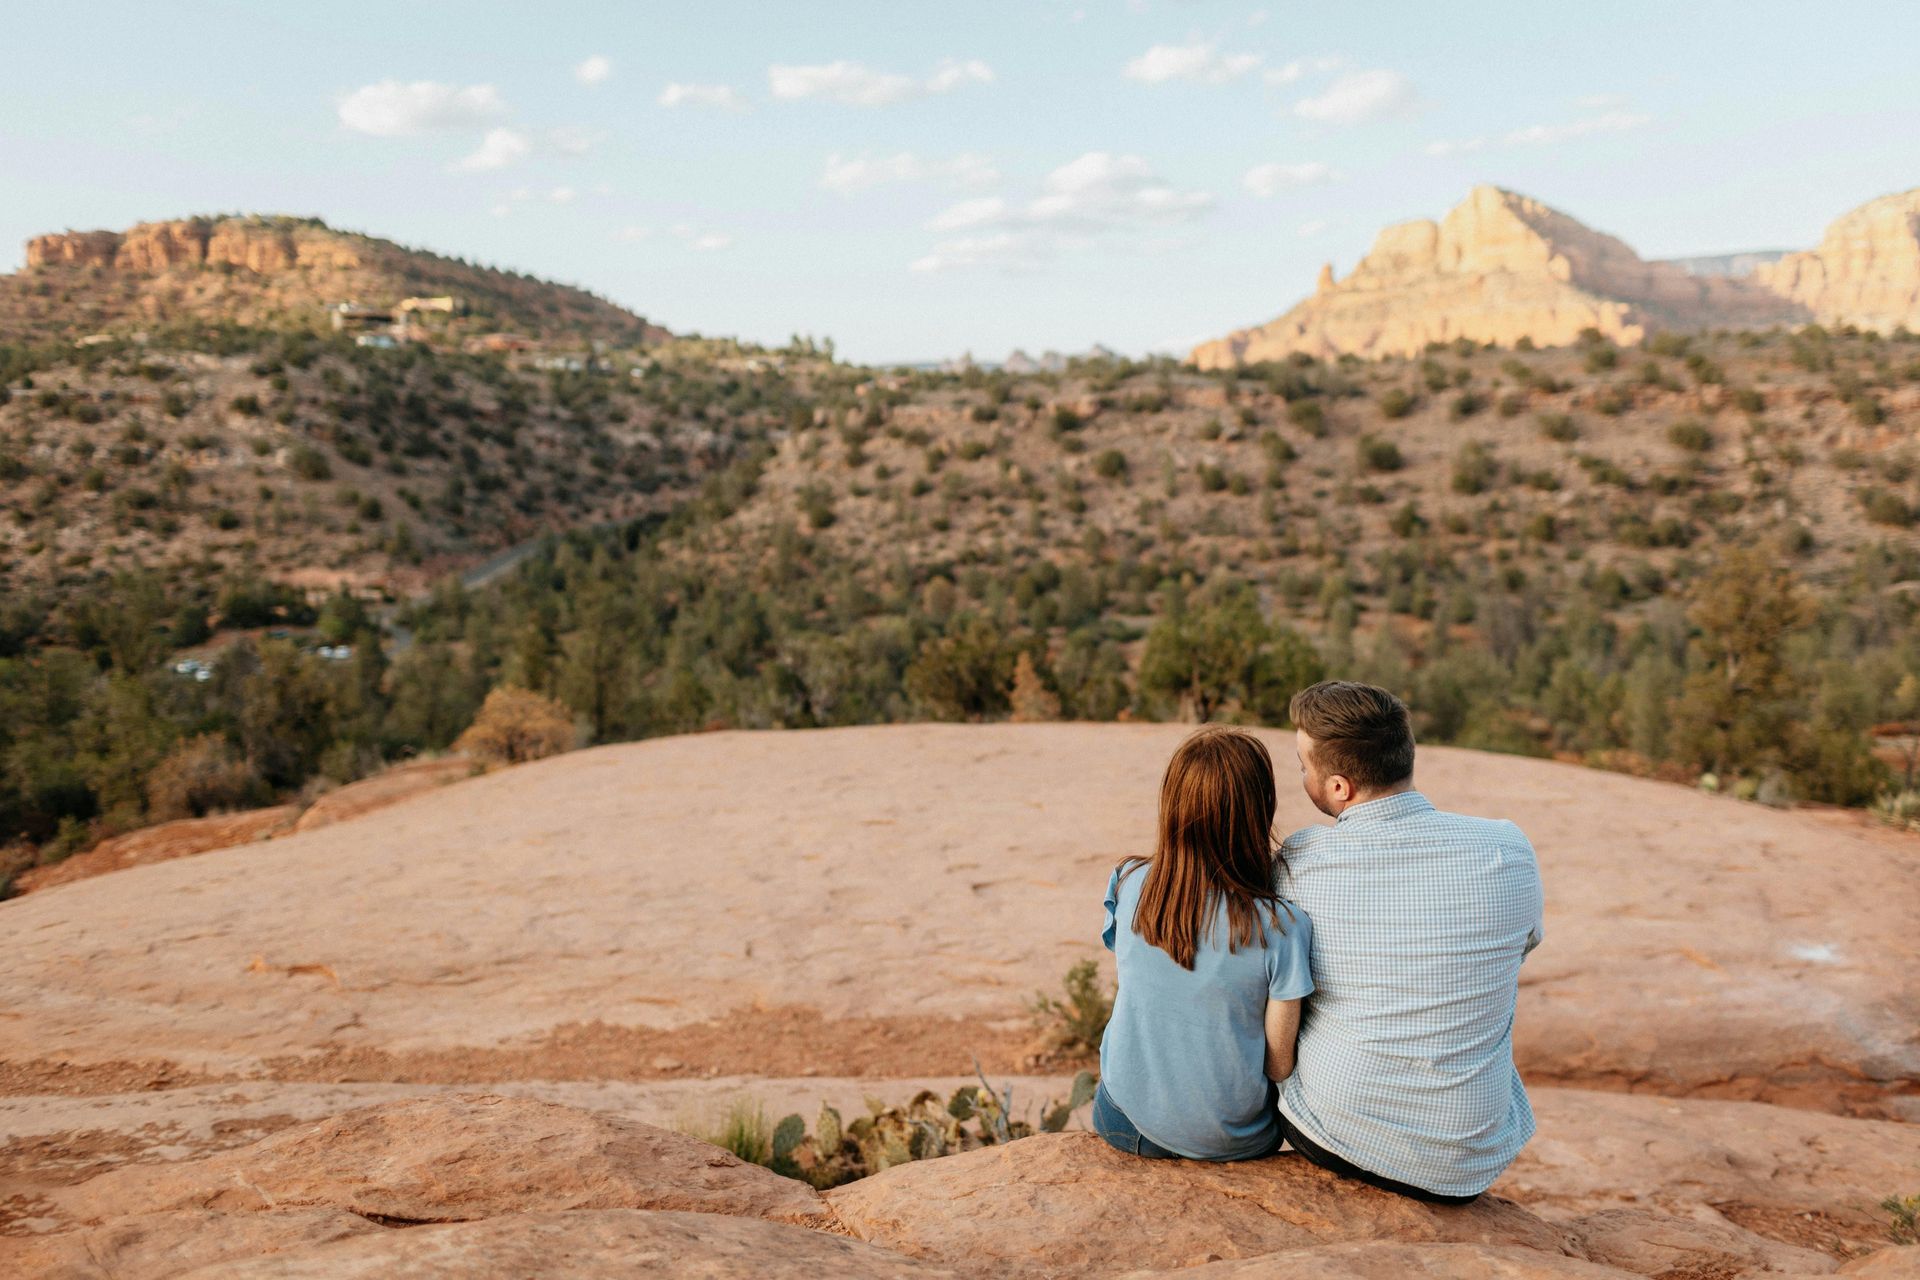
1111,1123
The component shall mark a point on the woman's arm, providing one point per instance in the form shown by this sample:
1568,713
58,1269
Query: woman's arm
1283,1028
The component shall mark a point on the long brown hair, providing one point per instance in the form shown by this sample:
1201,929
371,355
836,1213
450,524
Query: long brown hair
1216,841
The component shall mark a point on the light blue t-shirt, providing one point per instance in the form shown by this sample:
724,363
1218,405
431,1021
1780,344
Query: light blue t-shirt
1185,1053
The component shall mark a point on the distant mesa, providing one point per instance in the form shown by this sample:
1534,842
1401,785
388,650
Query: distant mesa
1501,267
279,271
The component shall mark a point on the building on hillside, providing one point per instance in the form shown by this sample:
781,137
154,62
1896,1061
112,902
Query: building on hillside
351,316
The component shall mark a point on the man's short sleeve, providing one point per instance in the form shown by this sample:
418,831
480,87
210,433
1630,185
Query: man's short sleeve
1289,976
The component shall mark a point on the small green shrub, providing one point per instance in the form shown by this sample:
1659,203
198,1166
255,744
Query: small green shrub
1379,455
1905,1214
1396,402
1559,426
1690,434
1077,1022
1309,417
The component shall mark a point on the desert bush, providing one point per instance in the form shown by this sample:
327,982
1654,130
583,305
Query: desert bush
1396,402
1904,1215
1465,405
1473,468
1110,464
1601,358
1379,455
816,503
1308,416
516,725
1559,426
309,463
1885,507
1690,434
202,775
1076,1021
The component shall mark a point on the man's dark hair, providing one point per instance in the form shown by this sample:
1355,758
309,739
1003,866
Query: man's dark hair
1360,731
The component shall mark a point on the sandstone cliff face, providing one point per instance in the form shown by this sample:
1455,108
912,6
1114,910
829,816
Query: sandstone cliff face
1866,271
262,245
1497,268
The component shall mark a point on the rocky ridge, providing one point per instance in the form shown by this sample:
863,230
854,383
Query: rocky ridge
276,270
1502,267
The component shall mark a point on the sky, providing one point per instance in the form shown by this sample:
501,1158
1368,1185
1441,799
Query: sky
916,179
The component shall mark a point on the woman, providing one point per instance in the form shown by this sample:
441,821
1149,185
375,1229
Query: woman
1212,965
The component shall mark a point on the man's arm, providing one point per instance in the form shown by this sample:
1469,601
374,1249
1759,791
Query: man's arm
1283,1029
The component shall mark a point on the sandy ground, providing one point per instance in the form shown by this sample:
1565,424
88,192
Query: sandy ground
917,876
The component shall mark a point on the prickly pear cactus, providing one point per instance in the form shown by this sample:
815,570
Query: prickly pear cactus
827,1130
787,1136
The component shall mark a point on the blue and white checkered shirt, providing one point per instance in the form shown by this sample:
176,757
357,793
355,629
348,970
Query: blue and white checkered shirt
1420,921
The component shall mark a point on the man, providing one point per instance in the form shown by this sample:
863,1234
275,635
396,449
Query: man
1404,1075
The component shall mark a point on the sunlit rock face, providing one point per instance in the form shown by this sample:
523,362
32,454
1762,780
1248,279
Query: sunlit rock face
1498,268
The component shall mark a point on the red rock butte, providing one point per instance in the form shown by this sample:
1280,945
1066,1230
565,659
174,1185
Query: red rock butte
1501,267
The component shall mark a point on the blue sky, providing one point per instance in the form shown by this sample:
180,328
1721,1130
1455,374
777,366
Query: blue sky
918,179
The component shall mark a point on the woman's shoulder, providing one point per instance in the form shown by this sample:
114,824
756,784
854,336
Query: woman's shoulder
1291,920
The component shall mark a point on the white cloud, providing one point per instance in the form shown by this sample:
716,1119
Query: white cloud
1019,251
1545,134
1608,122
628,235
594,70
1602,102
562,195
1358,97
702,95
392,109
1268,180
970,213
853,84
702,241
1258,18
847,174
954,73
1299,68
1100,194
500,148
1201,61
1308,230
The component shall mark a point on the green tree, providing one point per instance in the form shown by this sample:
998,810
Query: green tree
1219,650
1740,695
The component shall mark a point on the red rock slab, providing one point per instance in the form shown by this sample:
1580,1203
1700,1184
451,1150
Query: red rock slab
179,839
149,1246
1070,1205
1800,1177
454,1157
1390,1260
604,1244
1657,1244
402,782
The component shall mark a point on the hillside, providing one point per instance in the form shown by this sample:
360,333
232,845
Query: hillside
1715,1034
284,273
307,459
